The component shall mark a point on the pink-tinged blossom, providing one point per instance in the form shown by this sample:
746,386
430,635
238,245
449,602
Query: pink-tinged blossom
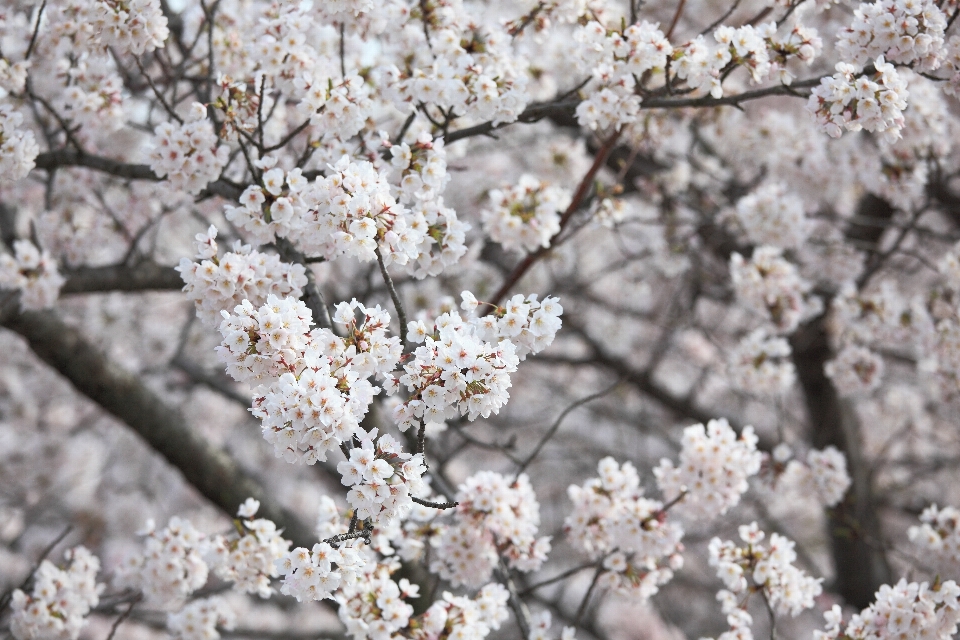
713,469
495,518
525,217
612,520
219,283
905,610
851,100
188,155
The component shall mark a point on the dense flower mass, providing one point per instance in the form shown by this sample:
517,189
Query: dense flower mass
56,607
495,519
748,210
713,469
613,521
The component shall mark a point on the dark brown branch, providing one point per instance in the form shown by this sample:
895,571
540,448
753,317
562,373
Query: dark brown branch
145,276
121,393
51,160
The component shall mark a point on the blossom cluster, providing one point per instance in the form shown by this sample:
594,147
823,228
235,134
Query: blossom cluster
821,475
135,26
218,284
495,518
852,100
472,73
453,372
18,147
187,154
310,574
773,288
200,619
905,610
855,371
757,566
33,273
760,364
902,31
339,109
382,478
611,519
171,566
525,217
772,215
59,601
614,60
462,617
249,559
540,628
713,469
530,324
313,385
419,173
374,606
939,532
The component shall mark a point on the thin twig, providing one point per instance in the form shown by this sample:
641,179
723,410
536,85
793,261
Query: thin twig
124,615
434,505
556,425
401,314
43,556
36,30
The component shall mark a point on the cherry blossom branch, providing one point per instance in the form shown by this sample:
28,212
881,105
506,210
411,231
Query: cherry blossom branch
434,505
578,197
146,275
124,615
36,566
121,393
52,160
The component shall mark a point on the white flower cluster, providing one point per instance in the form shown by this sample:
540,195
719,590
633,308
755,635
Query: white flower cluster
61,598
309,575
528,323
94,99
827,473
853,101
614,60
32,272
918,611
420,171
525,217
951,60
18,147
373,606
187,154
338,108
855,371
382,478
472,74
760,567
713,469
420,175
772,215
772,287
249,560
453,372
761,365
171,566
882,316
540,628
461,618
350,211
902,31
134,26
495,518
221,283
200,619
823,475
939,532
611,518
313,388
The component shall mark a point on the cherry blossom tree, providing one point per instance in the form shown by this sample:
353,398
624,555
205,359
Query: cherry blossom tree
456,319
